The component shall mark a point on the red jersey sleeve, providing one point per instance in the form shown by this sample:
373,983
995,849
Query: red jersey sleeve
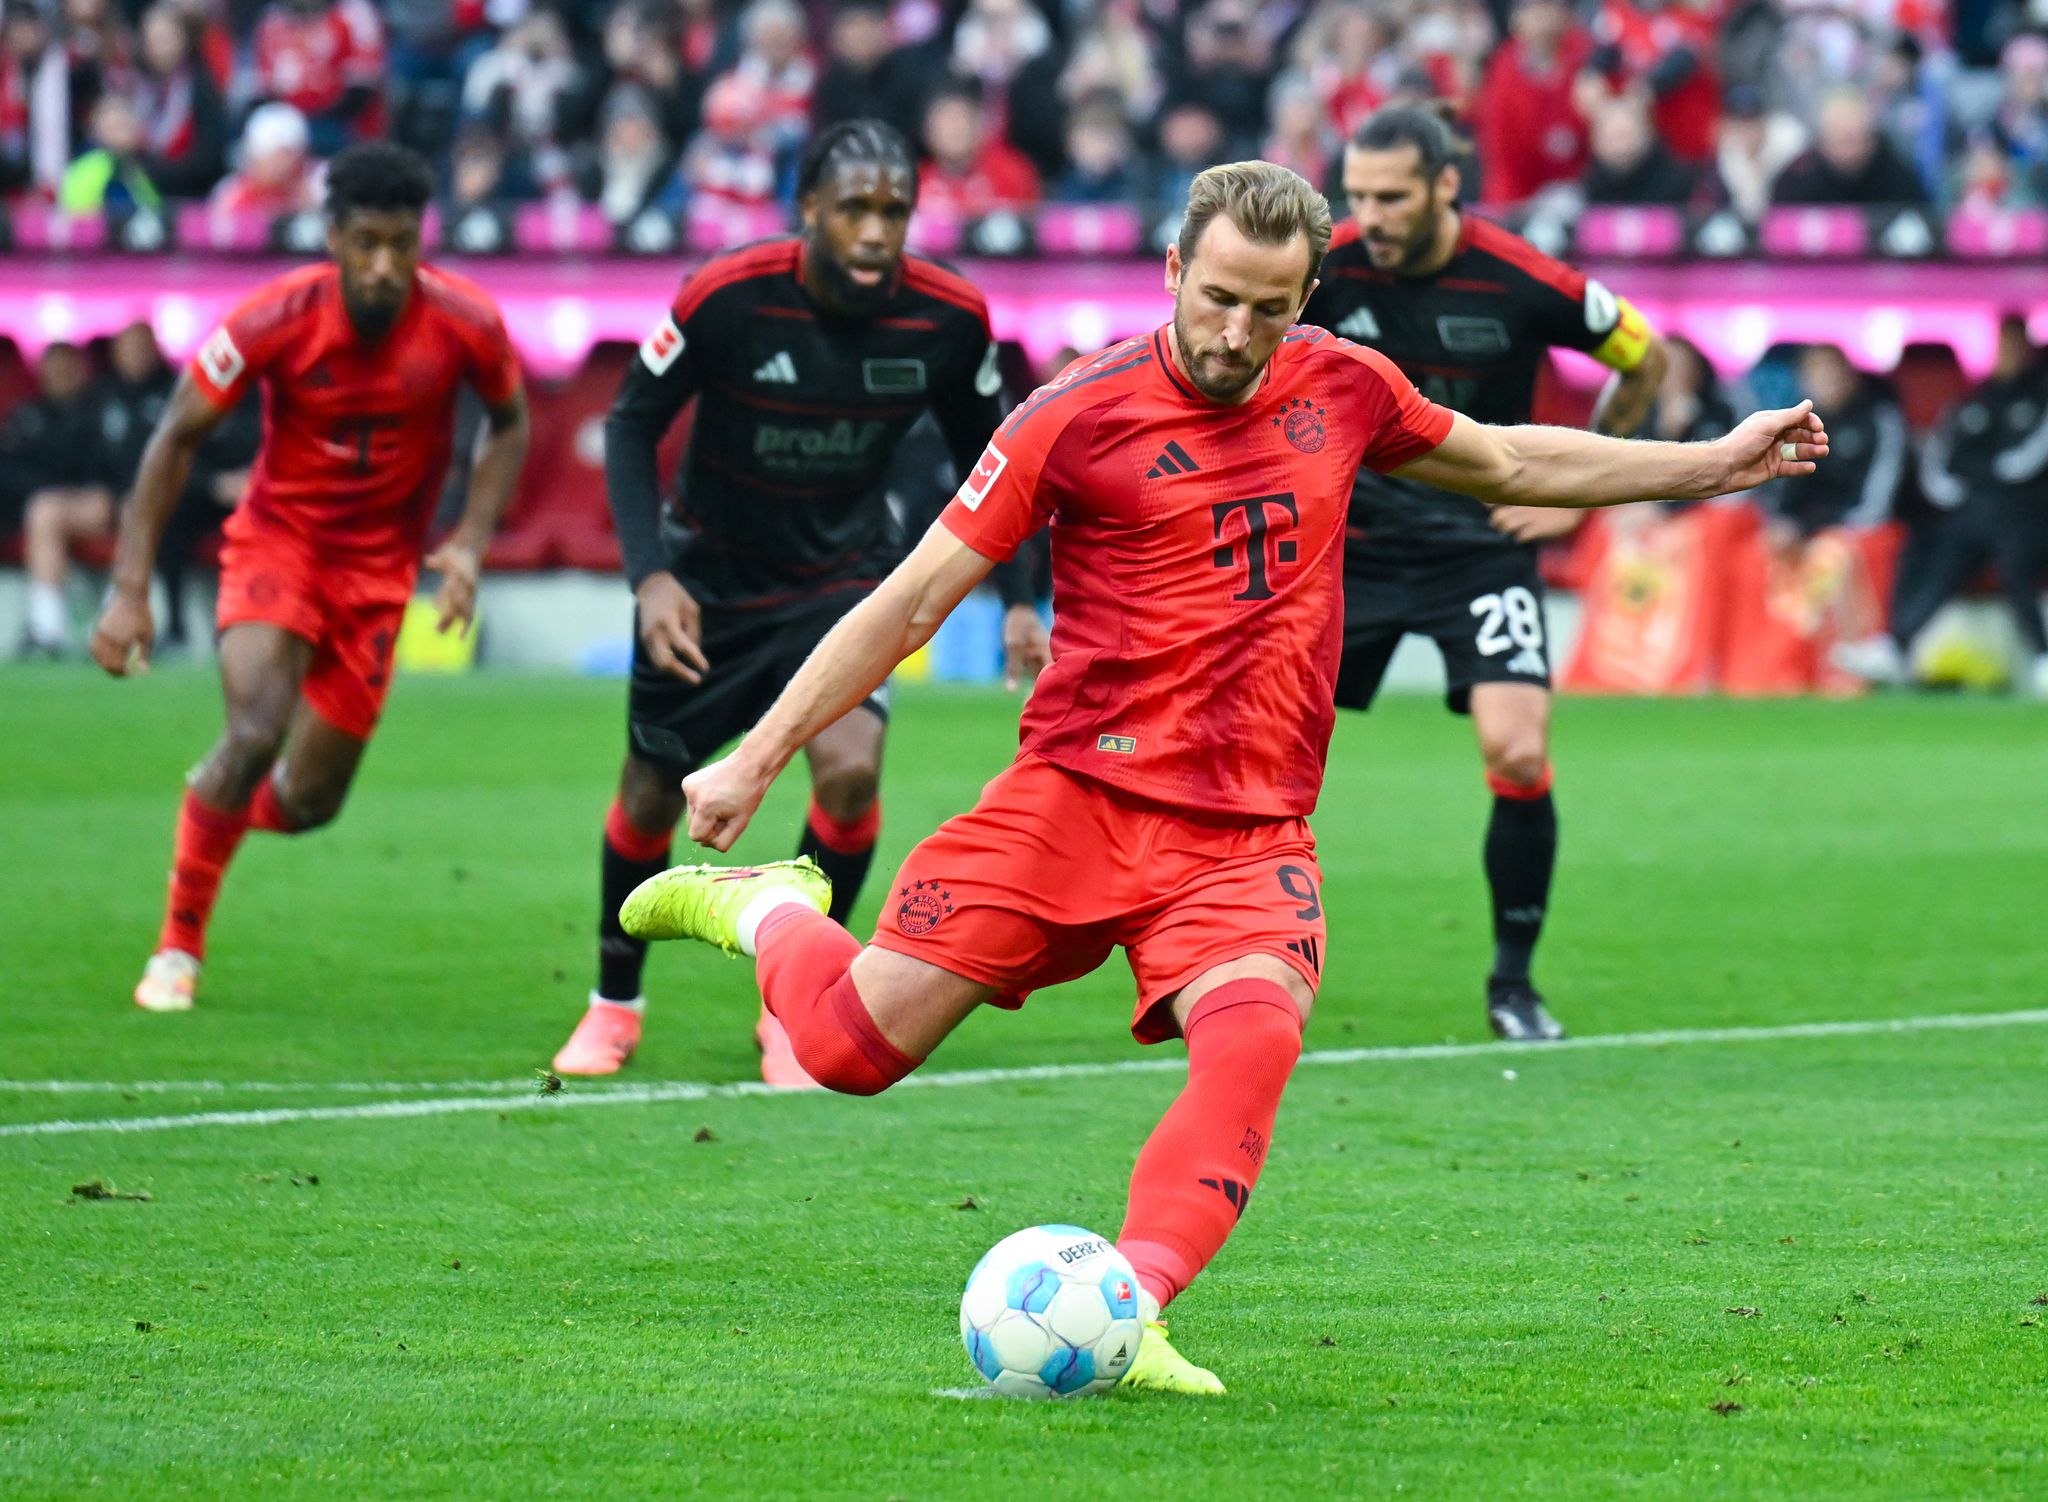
493,363
246,342
1005,499
1401,423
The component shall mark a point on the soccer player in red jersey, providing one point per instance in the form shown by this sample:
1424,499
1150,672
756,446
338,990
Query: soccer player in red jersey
361,359
1196,480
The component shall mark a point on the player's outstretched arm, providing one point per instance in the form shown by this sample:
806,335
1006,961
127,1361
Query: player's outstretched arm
853,660
500,452
1539,466
124,633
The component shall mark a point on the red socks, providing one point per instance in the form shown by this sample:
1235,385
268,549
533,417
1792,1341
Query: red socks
804,965
207,837
1195,1174
266,813
1521,792
632,843
844,836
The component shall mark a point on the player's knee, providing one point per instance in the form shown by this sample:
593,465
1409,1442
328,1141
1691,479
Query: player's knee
652,799
845,793
43,516
248,751
1521,760
313,807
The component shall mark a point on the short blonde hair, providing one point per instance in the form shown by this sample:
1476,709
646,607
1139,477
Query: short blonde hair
1269,204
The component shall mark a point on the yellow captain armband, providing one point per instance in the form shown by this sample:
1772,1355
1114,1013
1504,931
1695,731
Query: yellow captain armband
1627,332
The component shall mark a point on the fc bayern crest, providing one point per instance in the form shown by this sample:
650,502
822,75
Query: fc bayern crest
1302,421
924,904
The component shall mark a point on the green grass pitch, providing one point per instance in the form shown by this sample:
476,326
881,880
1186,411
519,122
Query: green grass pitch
1787,1267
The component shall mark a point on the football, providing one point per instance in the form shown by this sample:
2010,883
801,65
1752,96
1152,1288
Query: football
1051,1312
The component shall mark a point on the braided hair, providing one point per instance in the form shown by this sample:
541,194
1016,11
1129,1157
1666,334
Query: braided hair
854,141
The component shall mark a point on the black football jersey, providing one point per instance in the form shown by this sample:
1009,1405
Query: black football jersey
1472,337
798,414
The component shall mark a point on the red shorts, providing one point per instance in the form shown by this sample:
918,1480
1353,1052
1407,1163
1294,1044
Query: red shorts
350,615
1050,871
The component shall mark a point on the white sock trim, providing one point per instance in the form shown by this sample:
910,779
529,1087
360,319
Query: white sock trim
761,904
636,1006
49,621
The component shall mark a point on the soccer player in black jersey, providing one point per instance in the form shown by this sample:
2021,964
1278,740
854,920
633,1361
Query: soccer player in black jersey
809,357
1468,311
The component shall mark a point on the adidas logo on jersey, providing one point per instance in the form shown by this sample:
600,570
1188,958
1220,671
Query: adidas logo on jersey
1529,660
1172,460
1360,325
778,369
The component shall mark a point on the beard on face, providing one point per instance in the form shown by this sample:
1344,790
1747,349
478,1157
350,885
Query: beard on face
372,320
1417,250
1226,375
852,296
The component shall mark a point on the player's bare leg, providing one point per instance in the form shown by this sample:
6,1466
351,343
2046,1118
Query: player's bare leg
310,781
261,667
639,835
1512,721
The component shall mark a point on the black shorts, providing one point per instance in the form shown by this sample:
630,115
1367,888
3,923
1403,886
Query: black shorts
1482,607
753,653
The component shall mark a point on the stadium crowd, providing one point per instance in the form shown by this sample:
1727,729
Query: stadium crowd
115,104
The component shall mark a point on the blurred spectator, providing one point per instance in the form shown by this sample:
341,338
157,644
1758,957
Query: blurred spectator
1529,132
213,40
636,162
2021,124
969,172
1450,40
1224,71
865,77
705,41
35,103
99,57
1301,139
52,468
1102,166
776,72
641,53
111,177
325,58
275,175
1690,406
1985,179
1006,47
483,171
1982,471
430,44
519,88
1116,56
184,121
1666,48
1190,139
1850,163
734,156
1630,165
129,399
1867,454
1911,108
1755,146
1347,52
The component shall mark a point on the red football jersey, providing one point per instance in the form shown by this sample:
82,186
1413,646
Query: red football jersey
356,438
1198,554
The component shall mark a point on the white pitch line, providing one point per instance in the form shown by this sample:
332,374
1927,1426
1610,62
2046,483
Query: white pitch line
657,1094
269,1087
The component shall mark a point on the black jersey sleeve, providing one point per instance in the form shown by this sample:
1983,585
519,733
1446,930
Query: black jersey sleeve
661,379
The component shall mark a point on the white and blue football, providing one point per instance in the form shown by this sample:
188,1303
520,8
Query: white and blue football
1051,1312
